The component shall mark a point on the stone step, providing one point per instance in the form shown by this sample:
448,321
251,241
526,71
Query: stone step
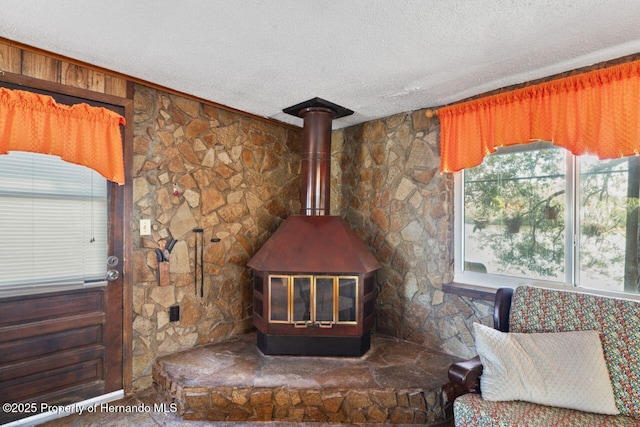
396,382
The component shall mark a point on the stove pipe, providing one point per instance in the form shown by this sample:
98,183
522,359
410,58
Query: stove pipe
316,161
317,115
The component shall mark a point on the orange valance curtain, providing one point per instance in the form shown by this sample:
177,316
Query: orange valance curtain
80,134
592,113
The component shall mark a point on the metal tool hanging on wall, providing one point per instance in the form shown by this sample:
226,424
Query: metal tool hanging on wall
199,262
162,255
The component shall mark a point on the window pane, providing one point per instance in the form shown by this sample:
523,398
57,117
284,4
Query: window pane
608,224
347,294
279,297
324,299
54,221
301,299
514,215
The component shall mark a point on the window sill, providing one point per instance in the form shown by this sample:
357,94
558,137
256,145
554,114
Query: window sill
470,291
488,294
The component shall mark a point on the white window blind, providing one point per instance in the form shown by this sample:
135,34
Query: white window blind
53,222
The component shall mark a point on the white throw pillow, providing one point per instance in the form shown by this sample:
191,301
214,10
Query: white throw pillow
563,369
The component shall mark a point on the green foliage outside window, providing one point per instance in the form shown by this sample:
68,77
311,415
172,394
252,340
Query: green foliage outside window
516,218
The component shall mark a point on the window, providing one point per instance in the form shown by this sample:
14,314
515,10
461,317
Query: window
536,213
53,228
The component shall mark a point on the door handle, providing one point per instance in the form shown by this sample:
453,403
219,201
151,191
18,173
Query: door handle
112,275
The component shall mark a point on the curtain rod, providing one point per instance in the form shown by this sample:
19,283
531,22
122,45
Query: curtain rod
434,112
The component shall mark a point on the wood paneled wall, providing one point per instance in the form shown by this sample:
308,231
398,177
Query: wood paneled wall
31,63
17,58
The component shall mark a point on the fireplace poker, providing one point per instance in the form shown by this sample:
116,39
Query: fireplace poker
201,265
199,231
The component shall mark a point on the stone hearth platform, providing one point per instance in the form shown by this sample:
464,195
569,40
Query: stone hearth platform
394,382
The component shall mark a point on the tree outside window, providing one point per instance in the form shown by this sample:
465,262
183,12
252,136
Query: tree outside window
523,217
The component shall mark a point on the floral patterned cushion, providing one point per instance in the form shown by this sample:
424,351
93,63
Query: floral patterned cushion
472,410
547,310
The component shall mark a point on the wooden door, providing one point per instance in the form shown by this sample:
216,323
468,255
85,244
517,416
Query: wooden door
63,347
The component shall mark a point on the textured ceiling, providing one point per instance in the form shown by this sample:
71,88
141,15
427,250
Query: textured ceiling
375,57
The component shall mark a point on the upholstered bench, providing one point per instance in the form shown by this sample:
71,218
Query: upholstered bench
555,358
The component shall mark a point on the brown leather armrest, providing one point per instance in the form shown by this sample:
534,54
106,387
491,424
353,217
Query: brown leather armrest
464,377
467,373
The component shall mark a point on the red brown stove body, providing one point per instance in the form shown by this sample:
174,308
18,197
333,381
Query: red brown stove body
314,279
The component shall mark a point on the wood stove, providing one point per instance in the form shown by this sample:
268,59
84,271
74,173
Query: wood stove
314,279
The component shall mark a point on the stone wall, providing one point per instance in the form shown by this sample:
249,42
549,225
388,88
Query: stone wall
269,404
386,183
237,177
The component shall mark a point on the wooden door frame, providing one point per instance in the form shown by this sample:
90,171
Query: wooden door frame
123,193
